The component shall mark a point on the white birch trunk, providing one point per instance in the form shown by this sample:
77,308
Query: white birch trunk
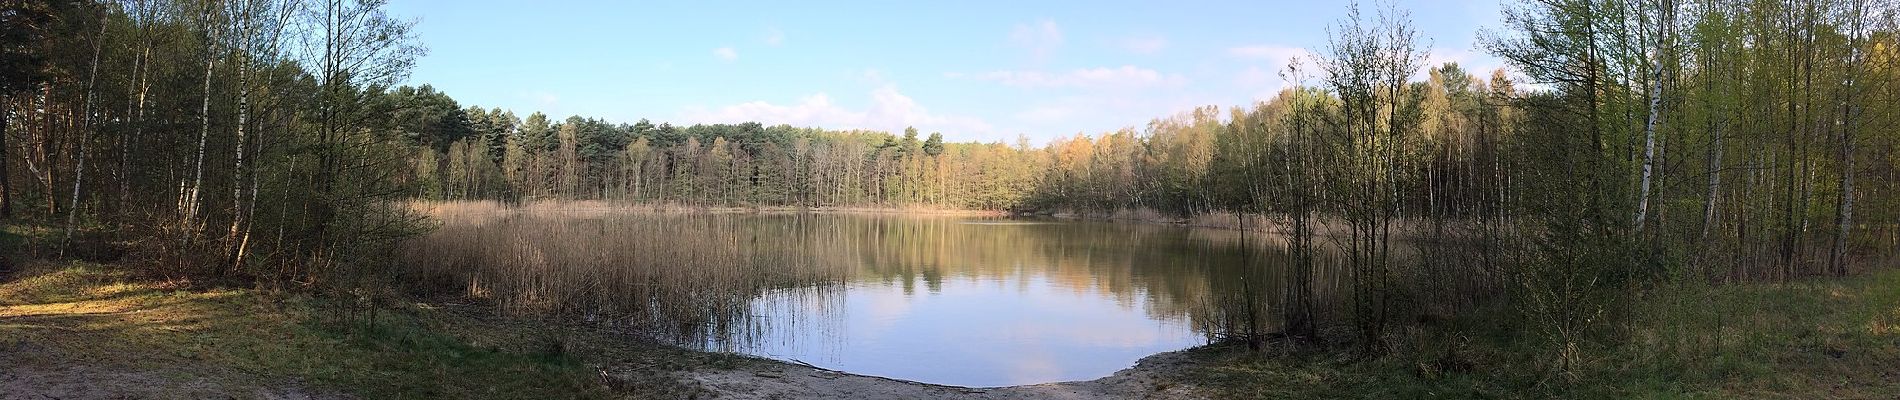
85,133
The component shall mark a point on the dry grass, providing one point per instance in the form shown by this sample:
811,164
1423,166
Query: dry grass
92,330
1814,339
469,208
681,276
693,277
1234,220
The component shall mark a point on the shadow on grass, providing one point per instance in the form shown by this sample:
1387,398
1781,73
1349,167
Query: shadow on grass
1815,338
237,339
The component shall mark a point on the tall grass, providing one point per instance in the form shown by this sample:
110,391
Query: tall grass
699,277
683,277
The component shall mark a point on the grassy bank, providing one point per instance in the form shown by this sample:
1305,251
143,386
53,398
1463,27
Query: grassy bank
1818,338
74,328
99,324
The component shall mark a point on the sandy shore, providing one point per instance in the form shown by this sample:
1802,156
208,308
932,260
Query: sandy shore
1150,378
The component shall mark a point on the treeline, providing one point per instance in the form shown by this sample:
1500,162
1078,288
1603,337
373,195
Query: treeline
211,139
1660,145
477,153
1204,160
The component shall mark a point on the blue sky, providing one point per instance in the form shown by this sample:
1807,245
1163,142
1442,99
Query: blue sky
974,70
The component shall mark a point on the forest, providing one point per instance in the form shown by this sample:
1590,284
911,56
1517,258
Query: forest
1631,146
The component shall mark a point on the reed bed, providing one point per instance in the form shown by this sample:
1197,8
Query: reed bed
721,279
683,278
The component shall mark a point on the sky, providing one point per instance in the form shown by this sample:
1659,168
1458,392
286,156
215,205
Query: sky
974,70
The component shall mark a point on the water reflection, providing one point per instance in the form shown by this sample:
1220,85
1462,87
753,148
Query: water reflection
973,331
961,301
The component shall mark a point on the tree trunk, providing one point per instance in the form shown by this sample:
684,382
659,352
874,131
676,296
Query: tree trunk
1844,211
1714,165
1806,142
85,133
136,89
48,145
236,234
190,219
6,185
1649,125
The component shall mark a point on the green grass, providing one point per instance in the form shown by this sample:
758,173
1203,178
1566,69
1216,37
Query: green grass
105,317
1816,338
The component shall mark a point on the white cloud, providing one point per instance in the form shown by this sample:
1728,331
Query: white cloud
1264,74
726,53
1040,38
1255,76
1269,52
774,37
1047,113
816,109
872,75
1145,45
1264,83
1068,114
889,111
1125,76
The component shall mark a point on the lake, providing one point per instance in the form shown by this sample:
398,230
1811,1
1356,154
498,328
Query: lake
967,301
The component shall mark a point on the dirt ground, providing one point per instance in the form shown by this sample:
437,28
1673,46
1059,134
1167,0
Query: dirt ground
775,380
93,333
31,371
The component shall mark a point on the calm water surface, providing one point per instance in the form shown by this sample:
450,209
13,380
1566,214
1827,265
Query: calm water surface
948,300
1005,329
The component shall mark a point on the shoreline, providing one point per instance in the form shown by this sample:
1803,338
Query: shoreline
463,207
1153,376
1216,220
77,329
